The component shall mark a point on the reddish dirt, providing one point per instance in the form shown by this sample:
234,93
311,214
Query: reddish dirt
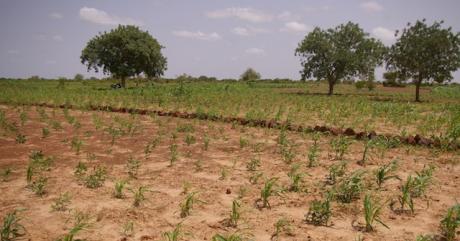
160,211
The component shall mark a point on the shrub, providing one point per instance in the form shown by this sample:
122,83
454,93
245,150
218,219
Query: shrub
96,178
349,188
319,212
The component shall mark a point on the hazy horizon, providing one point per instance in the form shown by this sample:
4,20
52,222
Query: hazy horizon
203,37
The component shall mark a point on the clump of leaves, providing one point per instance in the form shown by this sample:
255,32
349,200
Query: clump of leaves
187,205
335,171
340,146
96,178
20,138
151,145
190,139
235,214
451,222
228,237
133,166
128,229
206,141
406,198
372,211
80,170
313,152
119,187
173,154
12,229
37,164
255,177
243,142
422,180
384,173
268,191
139,195
185,128
424,238
38,186
23,117
296,178
81,222
319,212
76,144
62,202
349,188
288,152
368,145
253,164
282,226
5,174
45,132
174,235
223,173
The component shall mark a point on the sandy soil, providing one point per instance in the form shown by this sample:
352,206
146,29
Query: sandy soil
160,212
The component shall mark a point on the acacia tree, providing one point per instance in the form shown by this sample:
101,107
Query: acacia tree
124,52
345,51
425,53
250,74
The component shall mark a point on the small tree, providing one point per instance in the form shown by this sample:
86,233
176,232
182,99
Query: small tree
124,52
79,77
343,52
425,53
250,74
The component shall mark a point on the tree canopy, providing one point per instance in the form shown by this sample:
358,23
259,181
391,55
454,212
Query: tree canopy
345,51
425,53
250,74
124,52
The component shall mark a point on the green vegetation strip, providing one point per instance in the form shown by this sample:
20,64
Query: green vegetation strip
411,140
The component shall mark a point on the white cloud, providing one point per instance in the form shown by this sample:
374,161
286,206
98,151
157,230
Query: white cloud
371,6
246,31
97,16
296,27
386,35
197,35
288,16
58,38
247,14
255,51
240,31
56,15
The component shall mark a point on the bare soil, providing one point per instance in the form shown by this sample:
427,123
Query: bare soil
160,212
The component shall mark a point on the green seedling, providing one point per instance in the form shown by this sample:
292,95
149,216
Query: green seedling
12,229
451,222
62,202
319,212
118,189
384,173
187,205
372,211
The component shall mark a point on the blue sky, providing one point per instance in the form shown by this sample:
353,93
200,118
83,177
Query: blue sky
218,38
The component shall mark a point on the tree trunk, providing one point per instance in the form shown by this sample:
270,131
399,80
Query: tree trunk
331,88
123,82
417,89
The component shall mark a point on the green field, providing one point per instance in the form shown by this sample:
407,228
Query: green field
385,110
